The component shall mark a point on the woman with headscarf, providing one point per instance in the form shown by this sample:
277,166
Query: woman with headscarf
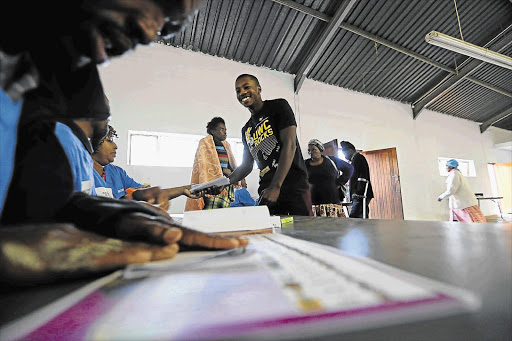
213,160
325,180
462,200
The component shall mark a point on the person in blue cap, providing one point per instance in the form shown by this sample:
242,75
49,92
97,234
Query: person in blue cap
462,200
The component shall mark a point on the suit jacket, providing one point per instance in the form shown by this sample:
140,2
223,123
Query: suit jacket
361,170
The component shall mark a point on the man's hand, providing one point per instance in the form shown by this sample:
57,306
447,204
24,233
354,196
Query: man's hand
155,207
439,199
226,171
43,253
270,194
211,241
152,195
160,230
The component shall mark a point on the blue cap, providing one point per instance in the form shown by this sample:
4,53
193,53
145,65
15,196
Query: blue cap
452,163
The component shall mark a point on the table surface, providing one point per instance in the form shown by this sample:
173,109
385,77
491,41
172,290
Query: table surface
476,257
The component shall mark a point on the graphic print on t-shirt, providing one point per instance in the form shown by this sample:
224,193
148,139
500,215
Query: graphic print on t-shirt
262,143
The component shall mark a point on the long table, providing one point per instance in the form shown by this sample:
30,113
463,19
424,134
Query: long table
476,257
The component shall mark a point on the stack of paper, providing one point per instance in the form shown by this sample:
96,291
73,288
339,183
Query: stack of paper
233,219
222,181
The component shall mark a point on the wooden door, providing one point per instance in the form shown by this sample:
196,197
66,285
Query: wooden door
385,178
331,148
503,173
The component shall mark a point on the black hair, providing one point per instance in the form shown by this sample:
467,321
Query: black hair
345,145
111,133
250,76
212,125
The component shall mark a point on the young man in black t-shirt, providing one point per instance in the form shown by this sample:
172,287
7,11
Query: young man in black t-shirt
270,139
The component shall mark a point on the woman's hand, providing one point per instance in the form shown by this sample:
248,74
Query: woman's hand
197,195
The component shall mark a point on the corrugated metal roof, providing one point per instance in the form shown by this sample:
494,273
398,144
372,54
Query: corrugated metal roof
270,34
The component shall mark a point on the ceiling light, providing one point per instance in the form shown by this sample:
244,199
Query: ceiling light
460,46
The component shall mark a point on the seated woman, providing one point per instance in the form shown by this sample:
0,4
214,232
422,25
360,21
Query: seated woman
113,182
213,160
325,180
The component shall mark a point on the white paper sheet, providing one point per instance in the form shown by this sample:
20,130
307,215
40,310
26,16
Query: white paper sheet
219,182
247,218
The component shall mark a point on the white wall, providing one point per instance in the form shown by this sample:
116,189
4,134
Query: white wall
162,88
500,137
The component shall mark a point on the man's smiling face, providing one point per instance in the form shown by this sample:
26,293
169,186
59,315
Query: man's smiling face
248,92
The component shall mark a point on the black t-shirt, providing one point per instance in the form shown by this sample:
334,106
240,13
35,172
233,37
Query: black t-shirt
261,135
322,182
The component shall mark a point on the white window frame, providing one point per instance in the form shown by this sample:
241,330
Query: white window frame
466,167
159,161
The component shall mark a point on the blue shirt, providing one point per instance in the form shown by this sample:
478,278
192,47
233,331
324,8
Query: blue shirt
243,198
117,182
9,117
79,158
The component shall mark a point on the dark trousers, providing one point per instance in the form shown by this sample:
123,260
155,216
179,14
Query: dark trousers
357,208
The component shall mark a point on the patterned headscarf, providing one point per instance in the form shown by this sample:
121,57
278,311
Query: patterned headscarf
317,143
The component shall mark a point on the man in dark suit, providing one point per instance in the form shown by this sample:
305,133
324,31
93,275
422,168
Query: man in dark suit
358,181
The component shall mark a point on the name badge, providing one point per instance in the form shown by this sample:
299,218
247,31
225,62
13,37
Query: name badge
264,171
87,186
104,192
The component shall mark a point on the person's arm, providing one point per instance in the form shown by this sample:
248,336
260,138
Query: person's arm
129,219
363,171
152,195
128,181
346,171
453,183
37,253
161,197
174,192
62,251
288,143
244,169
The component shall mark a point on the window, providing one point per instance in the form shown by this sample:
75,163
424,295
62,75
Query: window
466,167
169,150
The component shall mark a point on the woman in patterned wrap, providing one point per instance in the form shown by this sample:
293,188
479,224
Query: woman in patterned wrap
213,159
